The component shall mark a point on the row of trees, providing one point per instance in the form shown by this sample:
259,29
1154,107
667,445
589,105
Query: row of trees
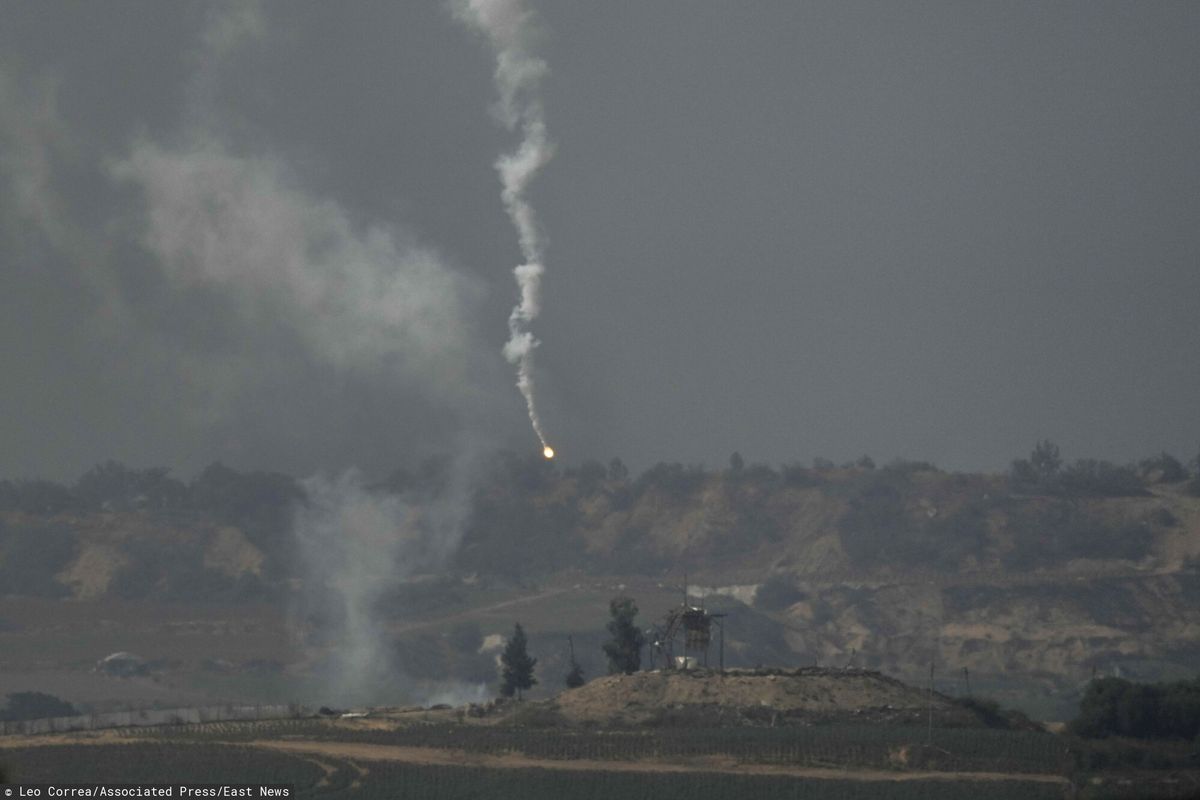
623,650
226,492
1117,707
218,491
530,516
230,495
1045,472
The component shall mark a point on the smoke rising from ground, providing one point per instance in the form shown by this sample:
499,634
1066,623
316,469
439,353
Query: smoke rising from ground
360,298
357,544
511,29
352,541
214,231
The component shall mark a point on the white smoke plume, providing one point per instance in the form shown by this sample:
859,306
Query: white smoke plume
357,544
511,29
353,543
34,141
358,298
296,283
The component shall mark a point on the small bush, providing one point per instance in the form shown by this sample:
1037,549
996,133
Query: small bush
903,466
1060,530
797,476
35,705
1089,477
1162,468
536,715
991,714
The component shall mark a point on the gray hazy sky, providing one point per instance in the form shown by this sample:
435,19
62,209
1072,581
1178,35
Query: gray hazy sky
272,235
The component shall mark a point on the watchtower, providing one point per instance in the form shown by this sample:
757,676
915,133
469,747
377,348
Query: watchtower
689,628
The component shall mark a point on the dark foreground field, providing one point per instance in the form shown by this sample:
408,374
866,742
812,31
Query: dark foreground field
428,755
324,759
317,773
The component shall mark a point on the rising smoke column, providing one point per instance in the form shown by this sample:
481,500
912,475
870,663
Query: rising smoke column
510,29
355,299
355,544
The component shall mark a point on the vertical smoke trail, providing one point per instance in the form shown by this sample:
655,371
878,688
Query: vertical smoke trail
510,28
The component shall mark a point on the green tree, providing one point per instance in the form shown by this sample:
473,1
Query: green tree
1162,468
624,651
1039,472
35,705
115,487
1045,459
590,474
575,677
1116,707
516,673
617,471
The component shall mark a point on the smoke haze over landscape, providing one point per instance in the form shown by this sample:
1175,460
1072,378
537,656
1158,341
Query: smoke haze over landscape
864,450
270,235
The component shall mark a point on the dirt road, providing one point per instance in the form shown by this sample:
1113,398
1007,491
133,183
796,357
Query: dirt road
457,758
433,756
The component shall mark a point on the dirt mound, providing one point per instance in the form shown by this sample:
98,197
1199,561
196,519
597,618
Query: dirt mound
809,694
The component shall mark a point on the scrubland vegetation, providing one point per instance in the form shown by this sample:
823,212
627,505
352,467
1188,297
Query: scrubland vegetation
1085,551
530,517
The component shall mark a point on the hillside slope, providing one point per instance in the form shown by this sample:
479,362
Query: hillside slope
751,697
1025,589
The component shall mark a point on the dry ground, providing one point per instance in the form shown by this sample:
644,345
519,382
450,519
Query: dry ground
630,699
356,752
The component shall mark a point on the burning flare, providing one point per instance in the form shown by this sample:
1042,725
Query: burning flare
548,451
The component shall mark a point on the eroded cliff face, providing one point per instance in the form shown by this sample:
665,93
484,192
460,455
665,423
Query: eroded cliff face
127,555
1047,636
1025,595
1028,593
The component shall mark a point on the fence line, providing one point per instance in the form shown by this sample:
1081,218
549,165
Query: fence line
151,716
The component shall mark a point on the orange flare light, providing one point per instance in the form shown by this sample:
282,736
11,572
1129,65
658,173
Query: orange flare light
548,451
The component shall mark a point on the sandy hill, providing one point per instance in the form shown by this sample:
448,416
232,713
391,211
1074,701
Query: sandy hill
752,697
